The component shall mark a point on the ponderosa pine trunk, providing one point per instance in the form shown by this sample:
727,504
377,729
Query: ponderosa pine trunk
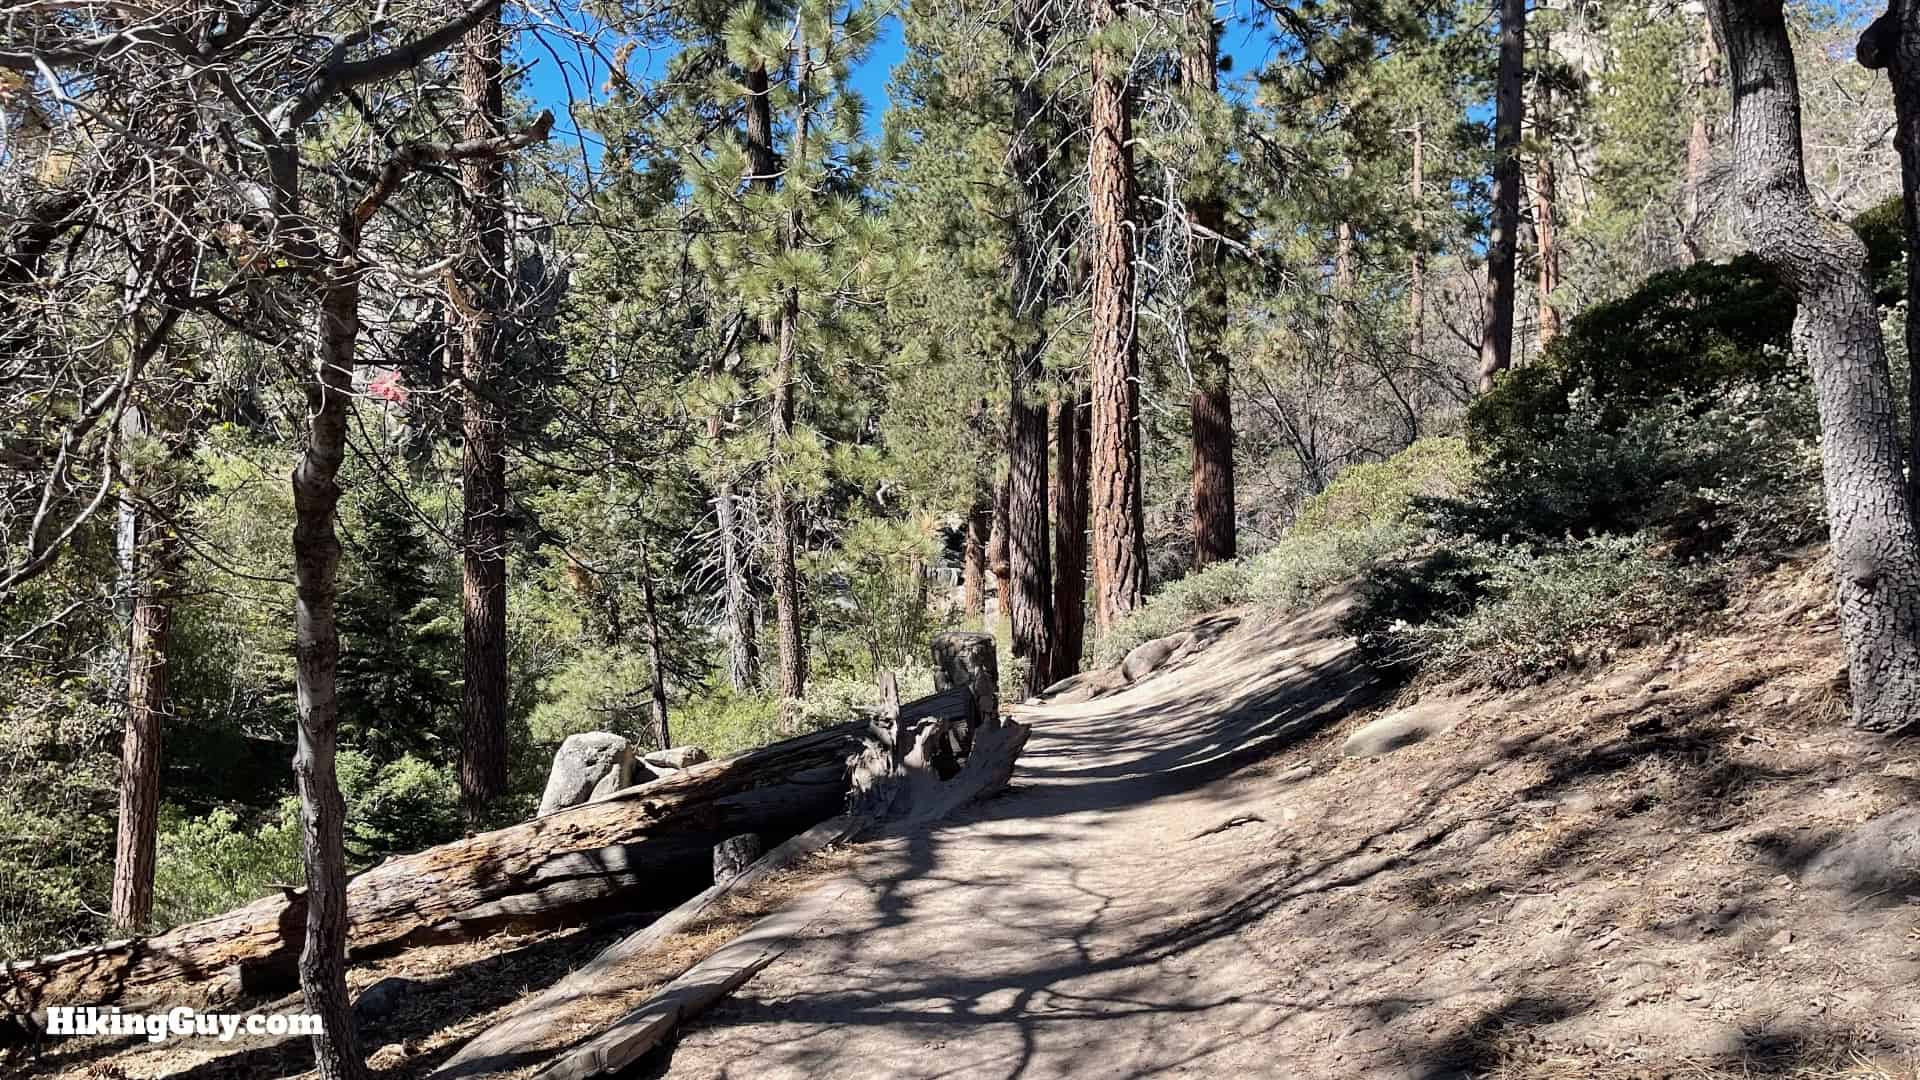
1118,571
1417,264
1072,453
1029,557
483,478
973,563
1496,341
997,562
1214,533
156,562
1876,553
1546,238
786,523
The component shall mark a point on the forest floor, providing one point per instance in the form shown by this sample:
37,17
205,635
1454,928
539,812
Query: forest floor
1602,876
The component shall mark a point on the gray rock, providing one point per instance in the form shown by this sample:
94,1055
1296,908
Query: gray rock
1146,658
1398,729
1880,858
383,998
676,758
586,767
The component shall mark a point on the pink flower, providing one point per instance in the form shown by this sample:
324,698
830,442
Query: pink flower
387,387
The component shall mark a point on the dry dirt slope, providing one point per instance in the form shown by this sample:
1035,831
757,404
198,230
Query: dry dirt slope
1603,876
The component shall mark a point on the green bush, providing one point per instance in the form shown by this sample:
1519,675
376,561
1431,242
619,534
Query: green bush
1740,472
1692,333
1509,614
1284,578
212,863
1378,493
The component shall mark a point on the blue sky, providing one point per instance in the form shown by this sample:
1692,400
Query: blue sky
555,75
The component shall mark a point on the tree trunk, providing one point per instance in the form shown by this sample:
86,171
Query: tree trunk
632,849
743,652
1119,576
997,560
316,563
1699,146
1029,560
156,557
786,369
973,567
656,655
1544,230
483,483
1029,557
1214,532
1417,276
1496,343
1072,447
1875,558
1901,57
786,543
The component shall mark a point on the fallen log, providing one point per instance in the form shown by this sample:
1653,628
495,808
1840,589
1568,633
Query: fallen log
514,1041
659,836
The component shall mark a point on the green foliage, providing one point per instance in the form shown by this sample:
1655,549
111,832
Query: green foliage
210,864
1697,332
877,615
1882,229
57,784
1509,614
399,619
1285,578
214,862
1379,493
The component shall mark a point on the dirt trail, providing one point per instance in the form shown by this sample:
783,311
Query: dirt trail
1594,878
1085,923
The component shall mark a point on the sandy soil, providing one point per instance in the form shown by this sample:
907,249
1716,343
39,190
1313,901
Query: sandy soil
1596,877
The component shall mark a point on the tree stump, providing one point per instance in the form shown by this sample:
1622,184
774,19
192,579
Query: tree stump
966,658
914,754
733,855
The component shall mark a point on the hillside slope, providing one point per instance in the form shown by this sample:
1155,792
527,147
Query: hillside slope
1605,875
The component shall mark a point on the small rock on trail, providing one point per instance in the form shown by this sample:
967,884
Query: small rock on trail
1398,729
1880,858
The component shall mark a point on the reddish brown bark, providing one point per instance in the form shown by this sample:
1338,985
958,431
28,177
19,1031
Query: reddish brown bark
997,562
1118,570
973,566
1029,558
155,564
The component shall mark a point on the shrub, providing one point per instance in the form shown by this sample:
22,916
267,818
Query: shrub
1508,614
1691,333
210,864
1378,493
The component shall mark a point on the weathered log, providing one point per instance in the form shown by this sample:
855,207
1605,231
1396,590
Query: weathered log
966,658
987,769
657,836
514,1041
